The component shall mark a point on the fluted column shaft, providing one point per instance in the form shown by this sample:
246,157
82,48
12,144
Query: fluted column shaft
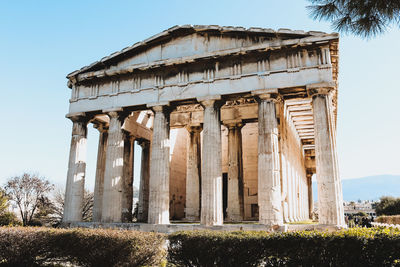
159,169
235,207
211,171
193,171
100,168
127,199
330,197
143,207
269,185
291,194
114,170
310,196
75,188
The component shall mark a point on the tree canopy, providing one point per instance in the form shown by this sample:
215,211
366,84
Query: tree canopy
26,191
388,206
365,18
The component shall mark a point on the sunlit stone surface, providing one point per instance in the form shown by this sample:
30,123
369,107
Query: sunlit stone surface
232,123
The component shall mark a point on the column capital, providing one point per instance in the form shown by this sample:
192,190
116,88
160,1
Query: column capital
316,89
231,124
194,128
209,101
143,142
78,117
128,135
101,127
118,113
158,106
267,95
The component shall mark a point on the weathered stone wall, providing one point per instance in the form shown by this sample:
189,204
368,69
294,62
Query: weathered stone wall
177,185
250,159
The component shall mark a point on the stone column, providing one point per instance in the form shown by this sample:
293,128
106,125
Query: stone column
235,209
211,171
297,196
330,197
193,174
127,200
310,195
99,181
143,207
269,182
114,170
75,187
159,168
291,193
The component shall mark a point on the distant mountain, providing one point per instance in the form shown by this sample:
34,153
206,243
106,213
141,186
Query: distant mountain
368,188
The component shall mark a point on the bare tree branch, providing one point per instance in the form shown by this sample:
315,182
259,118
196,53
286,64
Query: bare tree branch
25,191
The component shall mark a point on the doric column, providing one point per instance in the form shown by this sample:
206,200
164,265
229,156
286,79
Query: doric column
193,172
269,182
127,199
235,207
75,187
143,207
297,196
330,197
211,171
159,168
114,170
292,195
99,180
310,195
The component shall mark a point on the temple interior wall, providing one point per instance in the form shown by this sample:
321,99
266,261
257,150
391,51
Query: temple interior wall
250,170
177,183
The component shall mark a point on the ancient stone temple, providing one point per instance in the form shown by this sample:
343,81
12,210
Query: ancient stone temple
232,124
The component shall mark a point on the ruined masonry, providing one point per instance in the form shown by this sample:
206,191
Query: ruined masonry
232,124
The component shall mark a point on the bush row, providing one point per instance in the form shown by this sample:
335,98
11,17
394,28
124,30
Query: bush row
24,246
394,219
29,246
352,247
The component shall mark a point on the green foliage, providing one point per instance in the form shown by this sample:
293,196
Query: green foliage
29,246
388,206
3,201
360,17
9,219
394,219
6,217
358,246
360,214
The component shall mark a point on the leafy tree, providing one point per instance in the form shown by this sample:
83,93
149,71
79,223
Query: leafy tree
388,206
361,214
365,18
6,217
3,202
26,191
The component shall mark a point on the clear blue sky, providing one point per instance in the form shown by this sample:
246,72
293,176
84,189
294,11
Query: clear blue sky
43,41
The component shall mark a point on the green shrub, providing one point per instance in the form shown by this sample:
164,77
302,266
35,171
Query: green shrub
353,247
29,246
395,219
106,247
9,219
20,246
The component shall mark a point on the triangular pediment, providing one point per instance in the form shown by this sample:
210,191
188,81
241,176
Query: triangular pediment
190,41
